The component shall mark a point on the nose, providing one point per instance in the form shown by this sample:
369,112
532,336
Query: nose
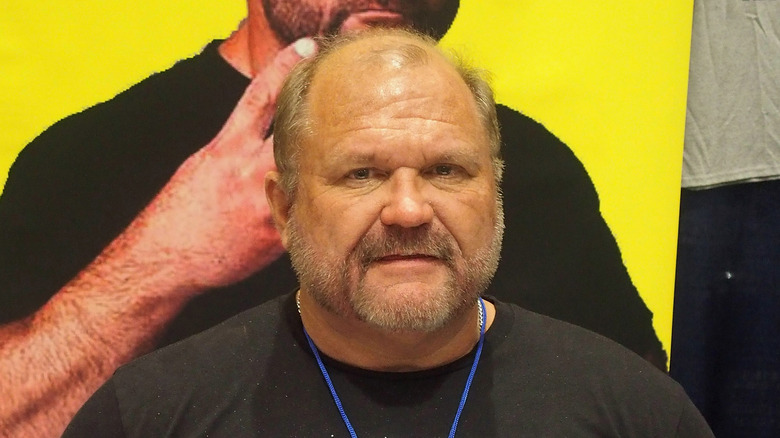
406,205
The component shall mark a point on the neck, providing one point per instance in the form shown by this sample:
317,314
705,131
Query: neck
253,46
362,345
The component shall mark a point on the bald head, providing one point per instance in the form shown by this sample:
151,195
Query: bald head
357,69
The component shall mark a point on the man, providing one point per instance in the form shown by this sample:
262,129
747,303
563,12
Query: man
387,199
112,247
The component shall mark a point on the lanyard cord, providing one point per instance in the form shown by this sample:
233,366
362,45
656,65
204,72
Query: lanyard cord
463,397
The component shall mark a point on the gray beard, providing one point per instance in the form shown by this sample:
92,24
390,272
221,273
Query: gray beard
339,287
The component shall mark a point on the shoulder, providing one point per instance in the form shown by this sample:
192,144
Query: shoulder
158,104
226,347
235,379
534,152
571,372
136,139
220,370
561,347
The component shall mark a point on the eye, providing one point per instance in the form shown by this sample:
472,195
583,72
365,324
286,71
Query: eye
363,173
447,171
443,169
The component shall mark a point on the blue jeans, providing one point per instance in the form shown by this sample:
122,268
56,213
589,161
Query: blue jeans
726,328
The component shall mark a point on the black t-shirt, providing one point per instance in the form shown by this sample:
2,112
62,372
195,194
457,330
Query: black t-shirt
81,182
254,375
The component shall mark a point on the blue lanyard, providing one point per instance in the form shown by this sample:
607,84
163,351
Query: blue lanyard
463,397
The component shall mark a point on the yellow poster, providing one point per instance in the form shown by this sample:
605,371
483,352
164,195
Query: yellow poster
606,79
609,80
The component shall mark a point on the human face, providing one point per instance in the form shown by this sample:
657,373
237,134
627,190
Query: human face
294,19
396,220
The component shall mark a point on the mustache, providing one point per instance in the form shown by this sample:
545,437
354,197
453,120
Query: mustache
405,242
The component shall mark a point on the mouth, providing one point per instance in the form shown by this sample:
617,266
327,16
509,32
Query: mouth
372,17
407,262
406,265
399,248
409,257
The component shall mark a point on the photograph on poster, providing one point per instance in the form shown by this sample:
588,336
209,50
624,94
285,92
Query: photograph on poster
129,229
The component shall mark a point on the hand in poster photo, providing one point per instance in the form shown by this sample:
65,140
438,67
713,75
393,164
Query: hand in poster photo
110,252
208,227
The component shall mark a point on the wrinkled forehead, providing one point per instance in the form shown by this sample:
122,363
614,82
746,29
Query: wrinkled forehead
388,84
373,71
381,52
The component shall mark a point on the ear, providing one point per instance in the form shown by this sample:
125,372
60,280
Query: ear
279,203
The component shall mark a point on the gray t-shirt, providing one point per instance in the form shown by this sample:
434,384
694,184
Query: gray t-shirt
732,129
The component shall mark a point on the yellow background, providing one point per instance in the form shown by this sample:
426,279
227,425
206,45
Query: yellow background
609,78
